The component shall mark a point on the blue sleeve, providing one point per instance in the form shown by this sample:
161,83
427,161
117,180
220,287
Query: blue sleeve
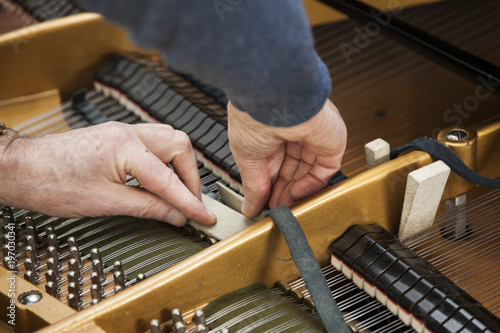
259,52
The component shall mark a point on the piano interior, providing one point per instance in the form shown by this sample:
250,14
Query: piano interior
63,68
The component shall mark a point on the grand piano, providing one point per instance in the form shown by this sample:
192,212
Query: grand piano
391,81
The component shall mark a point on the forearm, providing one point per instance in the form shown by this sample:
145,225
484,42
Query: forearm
7,172
260,53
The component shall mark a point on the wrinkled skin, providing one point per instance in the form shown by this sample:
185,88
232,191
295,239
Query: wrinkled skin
284,165
82,173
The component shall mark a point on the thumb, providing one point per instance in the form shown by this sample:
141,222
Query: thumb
256,184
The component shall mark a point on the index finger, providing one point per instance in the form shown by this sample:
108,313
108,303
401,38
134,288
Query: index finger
157,178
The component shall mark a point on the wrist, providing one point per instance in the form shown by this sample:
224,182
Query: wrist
6,139
7,135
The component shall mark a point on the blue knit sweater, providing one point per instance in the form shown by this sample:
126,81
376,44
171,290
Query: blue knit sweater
259,52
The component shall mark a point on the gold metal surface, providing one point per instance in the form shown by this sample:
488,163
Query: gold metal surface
50,55
488,148
480,152
17,110
466,151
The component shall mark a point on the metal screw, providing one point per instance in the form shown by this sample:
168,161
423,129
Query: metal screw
30,297
457,135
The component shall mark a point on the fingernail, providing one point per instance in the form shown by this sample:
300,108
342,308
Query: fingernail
176,218
246,208
211,214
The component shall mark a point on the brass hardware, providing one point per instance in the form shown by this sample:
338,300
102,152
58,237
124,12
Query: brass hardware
463,142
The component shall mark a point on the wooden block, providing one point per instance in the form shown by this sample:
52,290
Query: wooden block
424,190
377,152
228,223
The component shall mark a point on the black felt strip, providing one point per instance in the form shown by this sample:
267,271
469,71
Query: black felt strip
87,109
337,178
309,269
438,150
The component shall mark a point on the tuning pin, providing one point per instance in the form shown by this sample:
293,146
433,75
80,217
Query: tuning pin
30,266
118,288
51,289
119,268
188,229
155,327
94,278
97,283
31,241
201,328
52,241
5,236
117,265
95,254
5,250
51,276
97,267
72,242
200,235
7,210
30,227
74,267
73,302
96,293
52,252
179,327
8,218
30,277
199,317
30,253
178,323
140,277
177,315
51,264
9,229
72,278
75,288
211,240
75,254
49,230
10,263
119,279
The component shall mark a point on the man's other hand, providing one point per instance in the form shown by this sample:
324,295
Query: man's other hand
282,165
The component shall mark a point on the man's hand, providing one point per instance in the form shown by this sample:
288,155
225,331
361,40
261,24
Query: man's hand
82,173
284,165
